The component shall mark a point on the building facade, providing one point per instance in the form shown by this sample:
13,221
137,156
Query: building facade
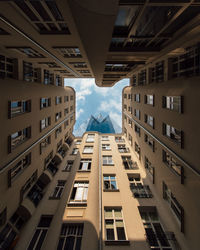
100,198
160,124
136,190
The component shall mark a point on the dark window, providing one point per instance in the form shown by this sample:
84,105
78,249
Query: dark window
18,107
40,232
58,189
150,169
18,168
6,67
18,138
70,236
68,166
173,134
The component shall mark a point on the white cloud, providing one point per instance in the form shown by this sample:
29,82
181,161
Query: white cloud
109,105
116,117
78,112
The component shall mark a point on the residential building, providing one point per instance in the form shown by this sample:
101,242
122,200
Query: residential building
100,124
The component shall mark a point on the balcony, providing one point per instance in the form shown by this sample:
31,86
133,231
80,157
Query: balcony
130,164
141,191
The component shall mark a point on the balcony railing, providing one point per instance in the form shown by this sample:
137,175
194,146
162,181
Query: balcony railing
141,191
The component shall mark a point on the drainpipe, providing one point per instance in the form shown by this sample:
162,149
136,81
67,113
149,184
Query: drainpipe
100,196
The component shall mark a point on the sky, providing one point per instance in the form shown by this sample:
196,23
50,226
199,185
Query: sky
94,100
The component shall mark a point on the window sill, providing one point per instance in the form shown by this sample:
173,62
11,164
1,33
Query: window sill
87,153
54,198
77,204
66,170
84,171
111,190
117,242
111,164
106,149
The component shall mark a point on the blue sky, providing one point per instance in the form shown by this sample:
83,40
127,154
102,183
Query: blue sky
94,100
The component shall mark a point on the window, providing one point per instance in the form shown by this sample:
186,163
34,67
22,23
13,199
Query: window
6,67
149,99
18,107
175,206
104,138
173,165
137,150
66,123
71,235
28,51
129,96
15,171
79,64
149,120
137,113
107,160
58,189
137,97
156,236
3,216
71,97
106,147
58,100
130,122
66,111
174,134
35,195
128,163
90,138
88,150
125,96
119,139
109,183
69,52
30,74
78,142
125,107
58,116
122,148
41,232
114,224
48,21
130,139
7,237
45,102
48,77
156,73
174,103
48,159
137,129
137,188
28,184
85,165
149,140
58,80
75,151
68,166
58,131
130,109
44,123
66,98
149,168
18,138
142,77
71,108
79,192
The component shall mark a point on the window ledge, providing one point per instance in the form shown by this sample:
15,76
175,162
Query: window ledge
117,242
64,170
77,204
87,153
54,198
111,164
84,171
111,190
106,149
